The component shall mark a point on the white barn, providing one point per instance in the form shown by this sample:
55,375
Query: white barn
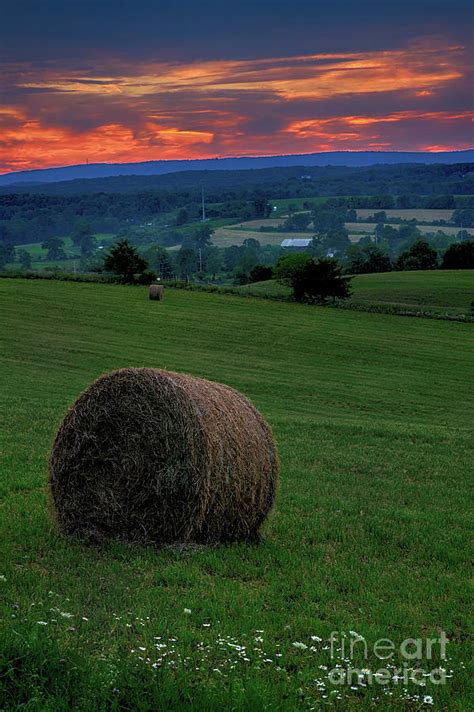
299,243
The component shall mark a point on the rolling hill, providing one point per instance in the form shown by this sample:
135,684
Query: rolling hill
336,158
370,532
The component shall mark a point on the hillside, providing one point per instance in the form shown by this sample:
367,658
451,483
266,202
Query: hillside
370,532
437,291
334,158
285,182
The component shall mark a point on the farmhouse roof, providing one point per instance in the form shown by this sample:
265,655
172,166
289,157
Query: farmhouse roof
297,242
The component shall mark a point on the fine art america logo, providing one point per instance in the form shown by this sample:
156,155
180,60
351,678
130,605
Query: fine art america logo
414,658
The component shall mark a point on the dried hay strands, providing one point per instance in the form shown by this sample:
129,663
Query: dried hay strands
152,456
156,292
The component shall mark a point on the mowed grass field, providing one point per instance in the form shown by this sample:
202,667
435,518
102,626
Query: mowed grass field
371,532
446,291
439,291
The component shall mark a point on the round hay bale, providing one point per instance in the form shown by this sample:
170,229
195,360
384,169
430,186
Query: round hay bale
152,456
156,291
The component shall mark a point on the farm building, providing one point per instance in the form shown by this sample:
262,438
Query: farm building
297,245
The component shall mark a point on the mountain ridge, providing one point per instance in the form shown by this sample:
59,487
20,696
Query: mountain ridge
162,167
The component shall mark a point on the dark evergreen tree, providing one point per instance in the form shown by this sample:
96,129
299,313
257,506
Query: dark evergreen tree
125,261
459,255
419,256
317,282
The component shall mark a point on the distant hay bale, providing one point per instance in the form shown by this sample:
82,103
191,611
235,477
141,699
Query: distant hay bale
156,291
152,456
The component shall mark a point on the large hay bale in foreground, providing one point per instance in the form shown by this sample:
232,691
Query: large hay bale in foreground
156,292
152,456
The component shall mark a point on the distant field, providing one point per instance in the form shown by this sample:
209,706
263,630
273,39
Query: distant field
225,237
282,204
255,224
442,291
424,229
425,215
449,291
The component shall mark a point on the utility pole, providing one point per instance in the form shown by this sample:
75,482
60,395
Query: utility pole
200,260
203,208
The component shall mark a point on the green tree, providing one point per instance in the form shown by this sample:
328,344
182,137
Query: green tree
298,222
202,236
261,273
245,267
55,248
288,265
182,217
250,243
419,256
317,282
124,260
365,259
7,254
325,219
232,256
334,241
83,238
213,261
24,258
160,261
460,255
186,262
464,217
262,208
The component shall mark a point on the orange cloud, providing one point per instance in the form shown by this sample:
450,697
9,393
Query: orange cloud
49,145
318,127
146,111
314,76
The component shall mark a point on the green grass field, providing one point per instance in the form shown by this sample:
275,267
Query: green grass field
370,534
439,291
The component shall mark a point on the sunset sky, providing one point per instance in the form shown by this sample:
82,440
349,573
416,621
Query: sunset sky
120,81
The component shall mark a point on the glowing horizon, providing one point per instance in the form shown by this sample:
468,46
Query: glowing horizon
125,110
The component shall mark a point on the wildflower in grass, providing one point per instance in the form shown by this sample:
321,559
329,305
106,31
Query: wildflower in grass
3,578
187,611
42,623
67,615
299,645
427,700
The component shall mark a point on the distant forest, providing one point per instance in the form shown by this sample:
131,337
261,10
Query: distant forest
109,205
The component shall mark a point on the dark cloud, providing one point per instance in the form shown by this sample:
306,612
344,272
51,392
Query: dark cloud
122,80
34,30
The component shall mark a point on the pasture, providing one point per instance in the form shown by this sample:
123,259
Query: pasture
424,229
419,214
227,236
370,534
439,291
